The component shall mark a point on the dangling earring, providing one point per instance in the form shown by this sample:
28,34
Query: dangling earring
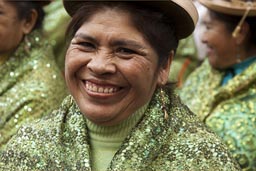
238,28
163,104
238,56
27,44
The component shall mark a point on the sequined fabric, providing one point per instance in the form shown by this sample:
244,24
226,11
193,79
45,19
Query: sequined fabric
229,110
30,85
55,23
60,142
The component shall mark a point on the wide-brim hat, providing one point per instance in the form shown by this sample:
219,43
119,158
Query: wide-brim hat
232,7
182,12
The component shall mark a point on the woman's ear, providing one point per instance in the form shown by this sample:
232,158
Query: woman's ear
241,36
165,70
30,22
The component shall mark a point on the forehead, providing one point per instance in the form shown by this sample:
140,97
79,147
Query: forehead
87,12
7,6
117,15
208,18
110,20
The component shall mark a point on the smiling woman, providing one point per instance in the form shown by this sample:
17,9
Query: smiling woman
115,57
121,114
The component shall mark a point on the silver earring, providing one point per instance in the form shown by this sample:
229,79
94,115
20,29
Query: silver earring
27,44
238,56
163,104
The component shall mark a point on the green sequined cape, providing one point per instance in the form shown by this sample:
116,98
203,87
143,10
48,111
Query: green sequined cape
229,110
30,85
60,142
55,24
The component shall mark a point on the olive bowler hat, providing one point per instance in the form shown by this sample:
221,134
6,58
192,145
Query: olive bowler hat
182,12
231,7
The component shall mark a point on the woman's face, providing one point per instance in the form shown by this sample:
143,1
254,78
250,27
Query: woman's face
11,29
111,70
221,46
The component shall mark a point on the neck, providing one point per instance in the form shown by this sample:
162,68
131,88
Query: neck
106,140
248,53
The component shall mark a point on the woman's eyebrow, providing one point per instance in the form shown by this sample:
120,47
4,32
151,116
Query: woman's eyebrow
85,37
116,42
124,42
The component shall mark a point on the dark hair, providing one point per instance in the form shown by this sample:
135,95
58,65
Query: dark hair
157,29
232,21
24,8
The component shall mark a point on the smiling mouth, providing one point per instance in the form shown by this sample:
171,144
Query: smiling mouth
96,88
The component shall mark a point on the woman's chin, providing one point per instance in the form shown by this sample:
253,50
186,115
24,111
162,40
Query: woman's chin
99,115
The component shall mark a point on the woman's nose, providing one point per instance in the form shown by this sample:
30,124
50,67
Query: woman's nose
204,38
101,64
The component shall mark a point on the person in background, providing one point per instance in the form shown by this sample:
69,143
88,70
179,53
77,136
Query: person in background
121,114
223,90
199,30
54,26
30,82
185,61
190,52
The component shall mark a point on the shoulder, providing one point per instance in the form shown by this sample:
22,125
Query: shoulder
194,142
203,70
185,138
42,75
202,149
44,126
39,143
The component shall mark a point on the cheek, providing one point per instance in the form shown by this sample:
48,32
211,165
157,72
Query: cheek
72,66
144,64
142,72
12,38
74,60
211,38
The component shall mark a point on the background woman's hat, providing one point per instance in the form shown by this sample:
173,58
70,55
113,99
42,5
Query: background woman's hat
182,12
231,7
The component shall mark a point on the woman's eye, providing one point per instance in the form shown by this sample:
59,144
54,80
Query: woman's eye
125,51
207,27
87,44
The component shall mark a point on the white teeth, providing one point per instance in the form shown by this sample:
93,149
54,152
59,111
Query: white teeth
110,90
100,89
106,90
94,88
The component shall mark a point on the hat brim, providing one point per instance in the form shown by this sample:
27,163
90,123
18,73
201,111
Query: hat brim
227,7
182,12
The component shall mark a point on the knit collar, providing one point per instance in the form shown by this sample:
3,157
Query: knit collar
117,132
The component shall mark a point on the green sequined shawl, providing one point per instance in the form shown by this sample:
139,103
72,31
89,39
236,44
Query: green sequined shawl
56,16
229,110
60,142
30,85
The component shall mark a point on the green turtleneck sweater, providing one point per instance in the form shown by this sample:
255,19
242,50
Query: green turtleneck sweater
106,140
